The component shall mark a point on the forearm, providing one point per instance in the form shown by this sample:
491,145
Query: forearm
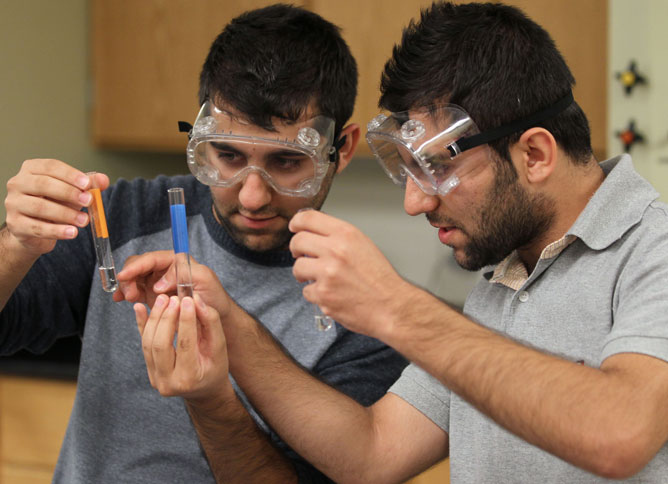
237,450
327,428
587,416
15,262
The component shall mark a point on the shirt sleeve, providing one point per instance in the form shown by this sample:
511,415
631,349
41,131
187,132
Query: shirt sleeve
51,300
425,393
640,301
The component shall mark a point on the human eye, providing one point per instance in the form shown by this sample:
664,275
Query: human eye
440,166
289,162
228,157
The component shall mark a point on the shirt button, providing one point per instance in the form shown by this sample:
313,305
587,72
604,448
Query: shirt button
524,296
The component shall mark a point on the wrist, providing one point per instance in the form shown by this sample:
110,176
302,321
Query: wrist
238,326
16,250
213,404
412,313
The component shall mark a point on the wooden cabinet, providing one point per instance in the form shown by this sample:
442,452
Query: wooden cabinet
146,58
33,418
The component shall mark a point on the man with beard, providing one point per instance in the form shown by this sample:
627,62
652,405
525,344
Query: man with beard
557,370
276,91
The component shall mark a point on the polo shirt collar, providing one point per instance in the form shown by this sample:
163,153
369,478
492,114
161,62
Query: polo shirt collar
617,205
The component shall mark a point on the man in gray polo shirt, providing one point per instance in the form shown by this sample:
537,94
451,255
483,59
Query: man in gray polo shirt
557,371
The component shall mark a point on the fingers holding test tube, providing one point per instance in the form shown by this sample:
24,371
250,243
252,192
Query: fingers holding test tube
353,282
197,366
322,321
145,276
44,202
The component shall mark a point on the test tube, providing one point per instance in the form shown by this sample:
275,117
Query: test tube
177,207
100,233
322,322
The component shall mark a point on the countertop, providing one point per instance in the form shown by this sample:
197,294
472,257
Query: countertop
60,362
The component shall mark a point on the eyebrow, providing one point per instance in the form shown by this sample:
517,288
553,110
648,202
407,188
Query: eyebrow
222,146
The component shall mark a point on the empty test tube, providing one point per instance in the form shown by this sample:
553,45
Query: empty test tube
322,322
177,207
100,233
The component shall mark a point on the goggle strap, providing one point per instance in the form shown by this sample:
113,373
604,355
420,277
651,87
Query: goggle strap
469,142
185,127
334,150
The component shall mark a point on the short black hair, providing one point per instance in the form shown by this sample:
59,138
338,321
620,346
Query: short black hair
493,61
277,61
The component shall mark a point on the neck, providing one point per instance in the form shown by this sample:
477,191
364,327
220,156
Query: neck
571,189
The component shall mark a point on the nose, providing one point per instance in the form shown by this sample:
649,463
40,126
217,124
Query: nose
416,201
254,193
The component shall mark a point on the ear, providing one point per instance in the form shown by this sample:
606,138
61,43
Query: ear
535,155
352,133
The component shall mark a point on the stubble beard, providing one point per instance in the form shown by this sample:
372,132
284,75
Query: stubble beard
510,219
266,240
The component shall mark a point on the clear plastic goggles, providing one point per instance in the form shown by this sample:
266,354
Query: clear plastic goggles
223,150
437,145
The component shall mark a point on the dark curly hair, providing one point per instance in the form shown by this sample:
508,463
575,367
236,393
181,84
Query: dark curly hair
277,61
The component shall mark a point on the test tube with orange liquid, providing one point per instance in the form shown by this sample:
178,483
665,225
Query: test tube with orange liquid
100,233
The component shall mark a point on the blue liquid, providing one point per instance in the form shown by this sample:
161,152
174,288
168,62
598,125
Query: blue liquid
179,228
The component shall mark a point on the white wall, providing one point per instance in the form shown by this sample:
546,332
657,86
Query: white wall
638,31
44,93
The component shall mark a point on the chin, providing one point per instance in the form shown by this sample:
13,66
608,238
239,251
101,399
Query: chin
264,243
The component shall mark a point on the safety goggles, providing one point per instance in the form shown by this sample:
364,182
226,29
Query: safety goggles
224,149
438,145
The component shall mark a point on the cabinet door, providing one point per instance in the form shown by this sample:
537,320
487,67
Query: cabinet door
33,419
146,58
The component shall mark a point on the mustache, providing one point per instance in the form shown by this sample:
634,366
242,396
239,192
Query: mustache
441,220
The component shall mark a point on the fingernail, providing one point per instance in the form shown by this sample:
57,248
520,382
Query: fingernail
187,303
70,232
85,197
161,284
81,219
173,302
161,300
199,301
82,181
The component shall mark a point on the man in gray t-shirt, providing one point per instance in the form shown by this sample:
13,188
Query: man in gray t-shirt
558,369
276,91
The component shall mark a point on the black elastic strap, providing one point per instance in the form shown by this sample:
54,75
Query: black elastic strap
185,127
334,151
469,142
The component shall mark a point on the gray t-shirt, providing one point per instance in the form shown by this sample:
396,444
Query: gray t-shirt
606,293
121,430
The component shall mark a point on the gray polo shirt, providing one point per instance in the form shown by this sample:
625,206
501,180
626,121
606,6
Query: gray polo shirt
605,293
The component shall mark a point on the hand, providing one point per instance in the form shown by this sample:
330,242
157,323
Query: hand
137,281
146,276
352,281
44,202
197,369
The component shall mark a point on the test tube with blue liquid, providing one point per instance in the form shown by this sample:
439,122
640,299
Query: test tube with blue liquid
177,207
100,233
